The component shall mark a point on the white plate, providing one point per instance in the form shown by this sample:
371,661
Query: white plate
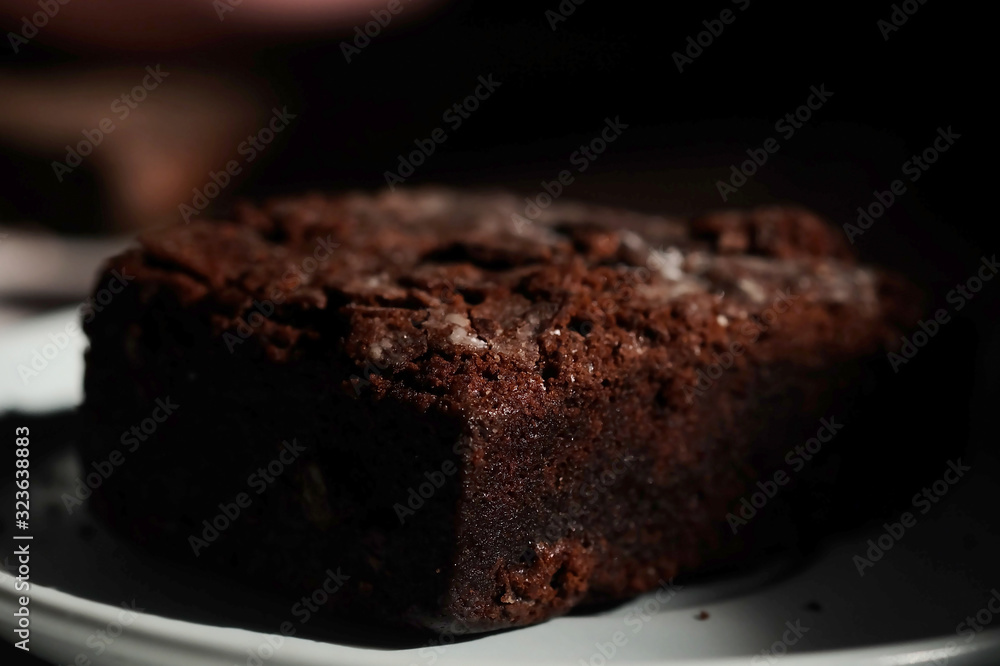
910,608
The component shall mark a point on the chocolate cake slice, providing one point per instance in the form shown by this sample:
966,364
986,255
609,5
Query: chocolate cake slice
464,417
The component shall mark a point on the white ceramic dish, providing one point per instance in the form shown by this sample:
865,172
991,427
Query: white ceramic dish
909,608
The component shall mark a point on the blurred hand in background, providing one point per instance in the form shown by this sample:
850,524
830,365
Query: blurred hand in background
132,107
119,26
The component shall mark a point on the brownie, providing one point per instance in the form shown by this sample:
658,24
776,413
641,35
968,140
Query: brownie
464,417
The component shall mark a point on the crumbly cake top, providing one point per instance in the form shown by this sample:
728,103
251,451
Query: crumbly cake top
401,277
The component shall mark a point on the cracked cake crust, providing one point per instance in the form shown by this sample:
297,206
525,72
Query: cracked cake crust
604,384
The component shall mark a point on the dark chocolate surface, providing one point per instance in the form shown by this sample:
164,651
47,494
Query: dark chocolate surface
588,392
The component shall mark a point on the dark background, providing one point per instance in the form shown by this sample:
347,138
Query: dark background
612,59
607,59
